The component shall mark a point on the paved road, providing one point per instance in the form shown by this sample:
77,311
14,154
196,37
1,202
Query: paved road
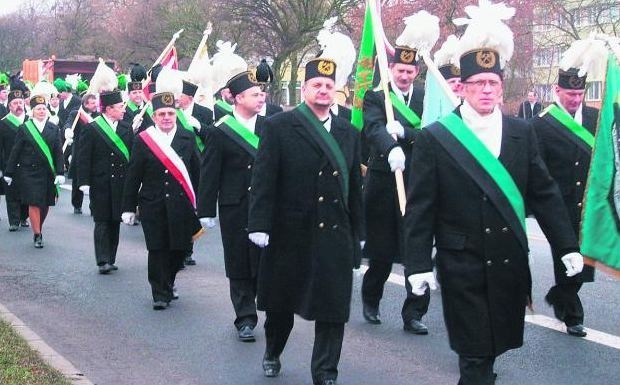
105,326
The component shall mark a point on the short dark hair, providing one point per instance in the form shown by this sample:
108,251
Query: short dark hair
87,97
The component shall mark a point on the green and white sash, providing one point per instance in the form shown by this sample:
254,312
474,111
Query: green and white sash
405,111
248,140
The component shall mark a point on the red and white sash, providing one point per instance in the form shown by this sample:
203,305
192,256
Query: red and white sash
171,161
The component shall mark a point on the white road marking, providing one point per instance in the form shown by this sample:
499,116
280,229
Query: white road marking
596,336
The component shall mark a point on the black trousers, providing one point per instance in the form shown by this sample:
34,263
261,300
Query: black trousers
243,297
77,196
414,307
328,338
15,211
163,266
476,370
106,236
566,304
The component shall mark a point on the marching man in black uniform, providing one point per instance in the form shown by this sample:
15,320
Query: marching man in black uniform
162,171
384,244
565,135
104,150
305,210
37,165
225,178
471,175
17,212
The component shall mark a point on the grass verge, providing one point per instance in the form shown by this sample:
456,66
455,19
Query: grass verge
20,365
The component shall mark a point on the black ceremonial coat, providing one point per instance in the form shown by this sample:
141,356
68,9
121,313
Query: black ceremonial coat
382,212
482,258
314,235
63,112
30,169
568,164
103,167
7,138
167,216
225,178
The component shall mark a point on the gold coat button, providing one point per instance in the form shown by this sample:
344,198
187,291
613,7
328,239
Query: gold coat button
249,166
487,230
577,163
579,204
489,263
321,199
504,229
506,261
335,173
250,188
578,183
321,225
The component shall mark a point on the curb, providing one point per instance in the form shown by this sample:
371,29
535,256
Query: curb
49,355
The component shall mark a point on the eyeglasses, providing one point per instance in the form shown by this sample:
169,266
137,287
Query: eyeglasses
165,113
480,84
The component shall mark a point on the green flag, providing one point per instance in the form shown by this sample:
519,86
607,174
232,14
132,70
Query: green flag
365,70
600,226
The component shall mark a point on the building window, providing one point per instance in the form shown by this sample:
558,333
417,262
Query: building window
593,91
545,92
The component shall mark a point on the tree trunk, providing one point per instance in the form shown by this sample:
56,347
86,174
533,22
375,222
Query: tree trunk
292,85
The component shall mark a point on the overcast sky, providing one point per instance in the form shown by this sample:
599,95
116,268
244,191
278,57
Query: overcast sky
10,6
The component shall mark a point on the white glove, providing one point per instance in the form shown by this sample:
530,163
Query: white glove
362,244
128,218
137,122
419,282
1,174
8,180
85,189
259,239
59,179
70,158
395,128
193,122
396,159
573,263
68,134
207,223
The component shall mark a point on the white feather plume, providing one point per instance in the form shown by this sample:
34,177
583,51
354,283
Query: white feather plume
486,29
104,79
73,80
339,48
421,32
588,55
226,64
448,53
44,88
169,80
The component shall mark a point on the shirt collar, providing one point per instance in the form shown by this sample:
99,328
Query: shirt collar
39,125
401,94
110,122
250,124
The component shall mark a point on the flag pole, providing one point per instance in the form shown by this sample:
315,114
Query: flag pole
159,59
389,112
432,67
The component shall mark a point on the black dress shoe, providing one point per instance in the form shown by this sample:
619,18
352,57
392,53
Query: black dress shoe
189,261
271,366
13,228
246,334
371,314
105,269
113,267
24,223
160,305
576,330
415,327
38,241
77,210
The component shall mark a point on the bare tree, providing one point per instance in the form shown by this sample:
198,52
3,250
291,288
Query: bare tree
282,29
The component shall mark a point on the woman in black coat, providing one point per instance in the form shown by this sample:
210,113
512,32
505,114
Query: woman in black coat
36,161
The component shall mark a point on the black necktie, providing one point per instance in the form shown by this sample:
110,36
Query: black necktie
406,97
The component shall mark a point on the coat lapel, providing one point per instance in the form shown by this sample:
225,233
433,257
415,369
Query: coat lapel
510,143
